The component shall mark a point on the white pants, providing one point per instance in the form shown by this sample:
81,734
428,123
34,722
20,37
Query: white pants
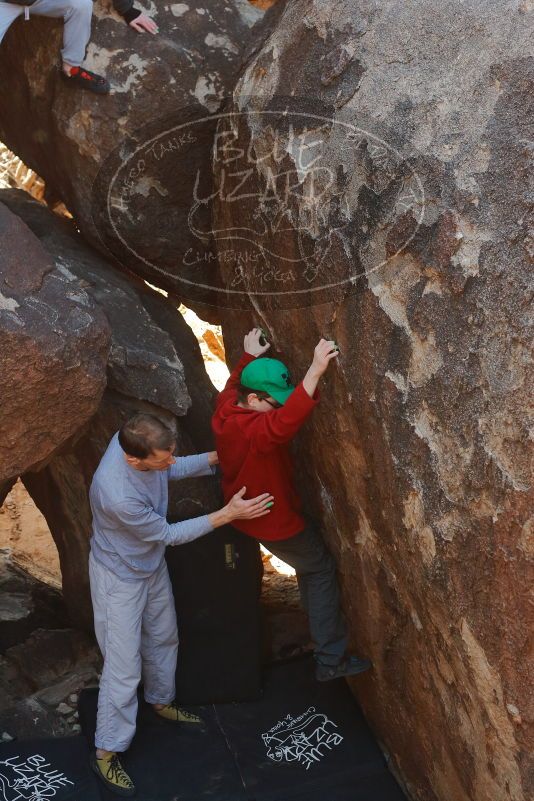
135,625
76,14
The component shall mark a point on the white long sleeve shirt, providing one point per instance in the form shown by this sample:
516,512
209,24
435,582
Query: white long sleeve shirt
129,506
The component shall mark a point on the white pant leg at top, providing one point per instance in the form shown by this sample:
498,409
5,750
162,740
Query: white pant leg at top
118,608
159,639
77,18
8,14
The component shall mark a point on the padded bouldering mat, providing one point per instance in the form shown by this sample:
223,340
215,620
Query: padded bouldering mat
35,770
170,762
303,741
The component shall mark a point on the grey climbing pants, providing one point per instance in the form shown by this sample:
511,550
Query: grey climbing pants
135,625
75,13
314,565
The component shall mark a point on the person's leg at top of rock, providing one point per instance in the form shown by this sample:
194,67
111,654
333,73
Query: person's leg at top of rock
257,415
77,31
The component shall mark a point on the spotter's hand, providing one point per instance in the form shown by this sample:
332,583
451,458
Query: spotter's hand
239,509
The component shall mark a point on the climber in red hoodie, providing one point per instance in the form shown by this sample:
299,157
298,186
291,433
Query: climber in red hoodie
258,413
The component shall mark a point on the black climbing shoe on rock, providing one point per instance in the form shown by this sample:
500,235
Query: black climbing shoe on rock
110,771
85,79
349,666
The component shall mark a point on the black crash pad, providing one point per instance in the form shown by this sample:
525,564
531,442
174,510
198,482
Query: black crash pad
170,762
38,770
303,741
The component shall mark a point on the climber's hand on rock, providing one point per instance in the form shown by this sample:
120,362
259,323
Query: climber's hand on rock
324,352
252,342
144,23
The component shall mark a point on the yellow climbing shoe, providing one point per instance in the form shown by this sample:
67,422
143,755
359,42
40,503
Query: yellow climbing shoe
110,771
173,712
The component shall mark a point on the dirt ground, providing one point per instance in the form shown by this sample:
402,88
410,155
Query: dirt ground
24,530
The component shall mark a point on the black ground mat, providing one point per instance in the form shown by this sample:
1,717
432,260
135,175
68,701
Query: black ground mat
35,770
173,762
303,741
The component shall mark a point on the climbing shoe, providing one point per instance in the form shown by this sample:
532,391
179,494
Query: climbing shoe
173,712
111,773
349,666
81,78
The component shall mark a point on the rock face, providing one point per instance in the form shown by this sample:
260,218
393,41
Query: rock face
55,343
158,83
25,603
140,351
154,365
397,222
40,679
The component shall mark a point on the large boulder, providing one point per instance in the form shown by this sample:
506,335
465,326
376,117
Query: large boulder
154,365
142,361
396,221
125,189
55,342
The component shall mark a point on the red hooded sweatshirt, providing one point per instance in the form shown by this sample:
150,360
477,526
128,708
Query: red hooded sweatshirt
253,449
